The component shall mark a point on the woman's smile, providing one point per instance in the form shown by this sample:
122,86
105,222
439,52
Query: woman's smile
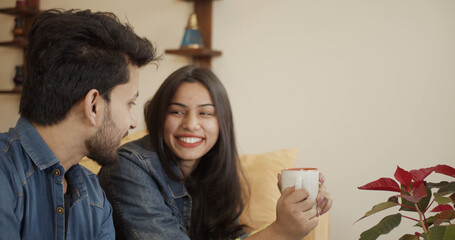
189,140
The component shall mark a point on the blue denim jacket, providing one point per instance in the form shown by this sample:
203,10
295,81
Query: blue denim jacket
31,192
147,203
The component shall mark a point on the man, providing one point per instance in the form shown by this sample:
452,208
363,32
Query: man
82,80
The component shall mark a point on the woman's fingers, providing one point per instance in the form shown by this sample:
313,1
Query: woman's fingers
296,196
324,203
279,181
295,215
321,179
326,206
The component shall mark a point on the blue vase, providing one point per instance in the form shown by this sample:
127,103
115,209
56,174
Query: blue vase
192,37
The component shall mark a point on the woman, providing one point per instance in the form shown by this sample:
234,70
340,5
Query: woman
182,180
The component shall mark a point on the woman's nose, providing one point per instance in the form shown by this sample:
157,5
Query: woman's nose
191,122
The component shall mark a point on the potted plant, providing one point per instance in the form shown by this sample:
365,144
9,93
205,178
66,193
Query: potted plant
413,194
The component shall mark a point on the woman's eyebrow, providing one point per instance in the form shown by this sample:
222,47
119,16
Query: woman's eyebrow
206,105
200,105
178,104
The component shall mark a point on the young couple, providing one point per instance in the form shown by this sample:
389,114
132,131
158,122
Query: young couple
179,182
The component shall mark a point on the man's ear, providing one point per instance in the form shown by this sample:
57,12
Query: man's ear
93,107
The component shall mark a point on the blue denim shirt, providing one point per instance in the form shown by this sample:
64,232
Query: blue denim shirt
147,203
31,192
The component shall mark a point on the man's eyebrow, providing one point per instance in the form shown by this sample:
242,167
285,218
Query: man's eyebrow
135,96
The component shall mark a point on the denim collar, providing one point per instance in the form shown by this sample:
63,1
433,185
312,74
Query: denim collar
34,145
79,188
178,189
44,158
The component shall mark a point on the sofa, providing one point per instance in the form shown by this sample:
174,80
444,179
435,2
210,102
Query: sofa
261,174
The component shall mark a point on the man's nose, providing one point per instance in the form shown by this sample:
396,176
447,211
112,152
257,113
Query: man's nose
133,124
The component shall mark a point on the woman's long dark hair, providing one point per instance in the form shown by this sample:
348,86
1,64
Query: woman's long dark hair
215,184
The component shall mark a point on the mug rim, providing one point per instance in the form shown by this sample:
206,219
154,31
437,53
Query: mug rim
300,169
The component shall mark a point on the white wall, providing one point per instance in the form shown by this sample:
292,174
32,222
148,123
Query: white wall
358,86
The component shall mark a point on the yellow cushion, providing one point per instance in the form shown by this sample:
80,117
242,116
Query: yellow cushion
261,172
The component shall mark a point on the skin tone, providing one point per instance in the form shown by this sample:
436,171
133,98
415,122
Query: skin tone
93,118
191,129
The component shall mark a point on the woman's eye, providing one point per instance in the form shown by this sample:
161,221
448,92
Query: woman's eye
176,112
206,114
132,103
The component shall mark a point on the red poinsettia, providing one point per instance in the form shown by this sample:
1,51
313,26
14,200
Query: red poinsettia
416,196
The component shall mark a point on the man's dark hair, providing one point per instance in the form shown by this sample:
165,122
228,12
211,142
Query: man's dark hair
71,52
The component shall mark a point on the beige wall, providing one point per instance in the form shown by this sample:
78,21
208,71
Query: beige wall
9,58
358,86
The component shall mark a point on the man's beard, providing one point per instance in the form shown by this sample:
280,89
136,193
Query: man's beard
103,146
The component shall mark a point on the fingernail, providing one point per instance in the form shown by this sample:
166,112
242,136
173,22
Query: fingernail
317,213
322,180
320,200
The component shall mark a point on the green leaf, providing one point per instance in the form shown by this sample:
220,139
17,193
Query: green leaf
445,216
448,188
437,185
442,233
377,208
441,194
409,237
442,200
383,227
393,199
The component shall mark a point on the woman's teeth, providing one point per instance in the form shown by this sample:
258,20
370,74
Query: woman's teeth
190,139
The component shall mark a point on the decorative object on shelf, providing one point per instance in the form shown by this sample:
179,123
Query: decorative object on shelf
202,55
18,30
19,78
192,37
20,4
27,10
412,193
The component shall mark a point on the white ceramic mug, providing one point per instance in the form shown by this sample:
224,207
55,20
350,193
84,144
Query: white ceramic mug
307,178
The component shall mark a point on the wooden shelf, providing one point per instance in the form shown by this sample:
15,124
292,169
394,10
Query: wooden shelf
16,43
194,52
28,13
20,12
201,56
14,91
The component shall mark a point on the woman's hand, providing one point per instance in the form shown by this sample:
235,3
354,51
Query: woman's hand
295,216
324,202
